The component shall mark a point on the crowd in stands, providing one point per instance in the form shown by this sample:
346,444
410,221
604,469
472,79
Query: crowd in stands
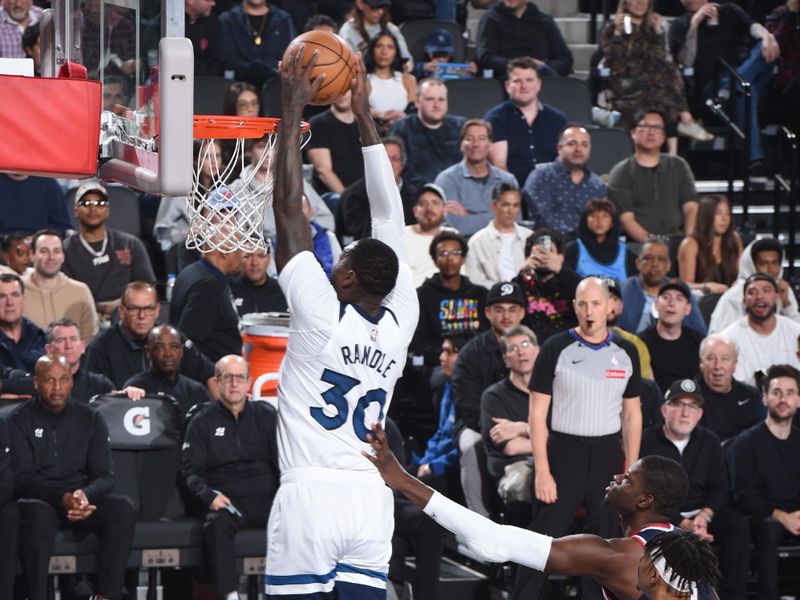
570,321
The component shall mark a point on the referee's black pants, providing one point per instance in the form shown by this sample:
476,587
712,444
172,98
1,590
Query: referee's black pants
113,522
582,468
219,531
9,528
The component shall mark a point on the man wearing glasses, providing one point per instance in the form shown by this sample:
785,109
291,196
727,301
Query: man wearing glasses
104,259
654,192
707,509
230,465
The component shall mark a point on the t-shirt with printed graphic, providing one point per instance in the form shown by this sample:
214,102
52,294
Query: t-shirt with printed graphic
549,309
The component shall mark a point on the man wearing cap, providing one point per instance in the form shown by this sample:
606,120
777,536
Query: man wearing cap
104,259
707,509
615,309
429,213
674,349
731,406
438,53
764,337
479,365
764,255
589,379
469,185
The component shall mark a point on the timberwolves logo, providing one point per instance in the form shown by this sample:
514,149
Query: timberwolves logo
137,421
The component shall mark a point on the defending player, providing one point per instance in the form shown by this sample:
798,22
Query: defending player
331,523
675,564
651,490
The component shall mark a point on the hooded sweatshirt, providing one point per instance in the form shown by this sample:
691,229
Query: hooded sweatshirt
442,309
730,306
609,258
68,298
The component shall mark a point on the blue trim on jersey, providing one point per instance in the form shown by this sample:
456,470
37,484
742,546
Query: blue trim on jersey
344,568
391,313
374,320
342,308
590,345
305,578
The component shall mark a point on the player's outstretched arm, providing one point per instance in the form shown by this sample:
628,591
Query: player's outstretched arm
297,89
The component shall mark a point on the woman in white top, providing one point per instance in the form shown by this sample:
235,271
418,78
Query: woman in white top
390,90
371,17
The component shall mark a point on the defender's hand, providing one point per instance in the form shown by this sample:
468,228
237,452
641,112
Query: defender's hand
297,88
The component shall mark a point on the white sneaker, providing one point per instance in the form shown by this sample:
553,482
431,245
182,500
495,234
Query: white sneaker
605,118
694,131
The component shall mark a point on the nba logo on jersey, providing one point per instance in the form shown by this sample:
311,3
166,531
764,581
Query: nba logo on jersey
374,335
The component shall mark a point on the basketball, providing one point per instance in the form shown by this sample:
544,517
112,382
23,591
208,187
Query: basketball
335,60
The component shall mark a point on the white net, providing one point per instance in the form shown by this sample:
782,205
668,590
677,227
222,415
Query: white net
230,217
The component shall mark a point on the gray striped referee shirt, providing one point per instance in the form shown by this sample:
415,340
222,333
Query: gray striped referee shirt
586,382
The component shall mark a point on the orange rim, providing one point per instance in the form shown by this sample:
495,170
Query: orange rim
225,127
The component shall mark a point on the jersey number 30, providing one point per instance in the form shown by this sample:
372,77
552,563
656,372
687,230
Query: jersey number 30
335,397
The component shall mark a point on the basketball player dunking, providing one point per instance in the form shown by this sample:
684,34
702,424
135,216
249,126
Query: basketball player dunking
332,519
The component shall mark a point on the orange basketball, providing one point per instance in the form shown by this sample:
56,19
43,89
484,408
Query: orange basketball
335,60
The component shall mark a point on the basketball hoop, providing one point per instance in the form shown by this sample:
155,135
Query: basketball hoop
229,217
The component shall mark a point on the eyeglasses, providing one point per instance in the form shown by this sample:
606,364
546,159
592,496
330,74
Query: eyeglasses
518,347
650,126
147,310
229,378
99,203
681,405
449,253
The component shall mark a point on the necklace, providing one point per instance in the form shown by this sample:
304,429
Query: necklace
100,257
257,34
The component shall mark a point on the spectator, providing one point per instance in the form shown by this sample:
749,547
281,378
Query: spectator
615,309
577,451
164,351
448,300
764,255
63,476
479,365
104,259
353,215
62,338
731,406
597,250
504,417
371,17
324,243
17,253
766,476
254,291
781,22
50,294
514,28
710,31
118,352
556,193
15,16
639,291
708,258
230,465
764,338
31,44
469,185
256,36
654,192
429,211
549,287
320,22
706,511
642,72
21,341
204,30
431,136
9,517
38,204
519,146
390,90
335,148
439,60
438,466
674,348
497,252
115,93
242,100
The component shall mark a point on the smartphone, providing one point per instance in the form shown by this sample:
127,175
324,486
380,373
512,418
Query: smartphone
546,242
627,25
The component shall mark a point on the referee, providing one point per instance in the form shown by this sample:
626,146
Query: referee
588,379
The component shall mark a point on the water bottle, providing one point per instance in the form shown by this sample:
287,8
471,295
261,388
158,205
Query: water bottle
170,285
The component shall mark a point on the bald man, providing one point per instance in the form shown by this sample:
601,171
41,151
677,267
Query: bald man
230,464
164,348
591,377
63,477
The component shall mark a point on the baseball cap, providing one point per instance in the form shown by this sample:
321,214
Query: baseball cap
677,285
439,40
506,291
432,187
684,388
377,3
90,187
613,286
759,277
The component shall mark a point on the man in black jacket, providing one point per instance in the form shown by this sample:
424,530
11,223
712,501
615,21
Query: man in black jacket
706,510
479,365
9,518
230,465
62,476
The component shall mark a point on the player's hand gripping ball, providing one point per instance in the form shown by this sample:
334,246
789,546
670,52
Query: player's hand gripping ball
335,60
